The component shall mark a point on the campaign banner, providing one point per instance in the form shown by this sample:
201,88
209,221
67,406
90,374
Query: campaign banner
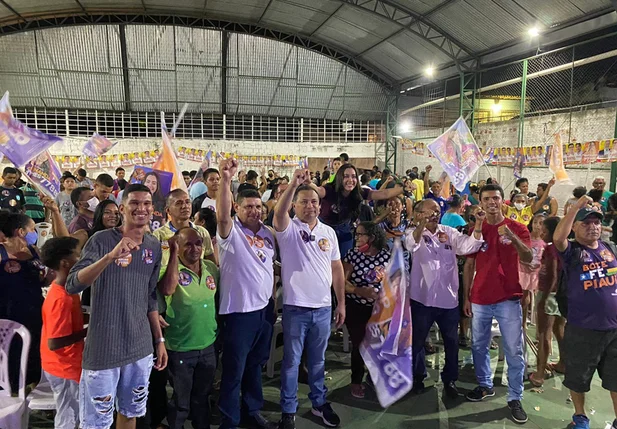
519,163
457,153
45,173
556,161
5,105
167,161
97,145
386,348
159,183
203,167
19,143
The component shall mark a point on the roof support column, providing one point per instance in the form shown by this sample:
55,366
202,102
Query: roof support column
125,68
224,53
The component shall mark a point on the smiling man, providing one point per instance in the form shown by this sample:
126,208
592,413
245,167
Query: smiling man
122,267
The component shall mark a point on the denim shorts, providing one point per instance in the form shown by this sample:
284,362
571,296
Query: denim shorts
125,387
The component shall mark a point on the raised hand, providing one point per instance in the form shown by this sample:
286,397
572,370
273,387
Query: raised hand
299,177
551,182
49,203
504,231
480,218
123,248
228,168
428,168
583,201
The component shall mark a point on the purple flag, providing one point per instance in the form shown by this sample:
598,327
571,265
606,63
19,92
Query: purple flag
386,348
45,173
457,153
97,146
19,143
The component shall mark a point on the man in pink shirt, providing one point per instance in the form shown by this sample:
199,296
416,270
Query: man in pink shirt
434,287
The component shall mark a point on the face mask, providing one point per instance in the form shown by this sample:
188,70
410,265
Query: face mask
31,238
364,248
93,203
519,206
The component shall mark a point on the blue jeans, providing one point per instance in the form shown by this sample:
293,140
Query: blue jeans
302,327
125,386
510,317
246,349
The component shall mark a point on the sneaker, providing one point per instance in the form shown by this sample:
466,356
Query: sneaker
580,421
288,421
479,393
257,421
451,390
614,424
327,414
518,414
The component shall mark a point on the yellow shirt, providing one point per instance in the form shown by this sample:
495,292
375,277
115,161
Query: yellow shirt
165,232
419,192
524,216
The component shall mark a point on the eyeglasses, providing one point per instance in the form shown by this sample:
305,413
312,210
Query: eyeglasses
306,237
360,234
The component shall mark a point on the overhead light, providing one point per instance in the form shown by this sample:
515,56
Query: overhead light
404,127
533,32
429,71
496,107
403,92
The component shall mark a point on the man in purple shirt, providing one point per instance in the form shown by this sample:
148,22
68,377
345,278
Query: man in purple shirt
590,340
85,203
434,287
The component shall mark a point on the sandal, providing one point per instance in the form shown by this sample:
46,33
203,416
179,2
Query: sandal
533,381
557,368
357,391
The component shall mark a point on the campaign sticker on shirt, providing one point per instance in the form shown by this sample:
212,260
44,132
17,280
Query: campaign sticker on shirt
607,255
586,257
427,240
259,242
261,255
525,218
546,207
268,243
249,239
5,193
324,244
12,203
504,240
124,262
375,275
210,283
164,245
442,236
484,247
513,216
184,278
12,267
146,256
38,264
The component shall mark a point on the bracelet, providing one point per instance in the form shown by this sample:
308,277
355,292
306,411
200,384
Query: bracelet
160,340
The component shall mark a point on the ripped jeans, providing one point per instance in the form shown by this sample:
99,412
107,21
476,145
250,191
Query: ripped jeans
125,387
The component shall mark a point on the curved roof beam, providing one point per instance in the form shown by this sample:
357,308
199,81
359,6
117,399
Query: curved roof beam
346,58
418,25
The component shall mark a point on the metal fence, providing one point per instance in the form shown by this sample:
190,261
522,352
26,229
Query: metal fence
201,126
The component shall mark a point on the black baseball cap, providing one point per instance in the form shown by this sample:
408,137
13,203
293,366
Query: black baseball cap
586,212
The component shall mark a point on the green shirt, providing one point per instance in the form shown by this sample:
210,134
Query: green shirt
191,310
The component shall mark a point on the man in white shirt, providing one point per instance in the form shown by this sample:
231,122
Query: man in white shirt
434,287
246,253
212,179
311,263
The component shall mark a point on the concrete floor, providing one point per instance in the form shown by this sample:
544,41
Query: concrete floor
547,408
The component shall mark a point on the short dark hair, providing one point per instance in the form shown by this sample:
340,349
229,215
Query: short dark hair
579,191
56,249
192,173
338,158
543,186
105,180
122,184
386,171
595,195
455,201
67,176
550,223
247,193
491,187
9,170
76,194
365,178
173,194
11,222
134,187
520,181
118,169
251,175
208,172
303,188
186,173
209,217
344,157
82,172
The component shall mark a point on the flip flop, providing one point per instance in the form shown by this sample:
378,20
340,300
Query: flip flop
534,383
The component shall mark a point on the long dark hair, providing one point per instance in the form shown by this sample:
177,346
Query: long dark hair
380,241
354,199
158,195
97,222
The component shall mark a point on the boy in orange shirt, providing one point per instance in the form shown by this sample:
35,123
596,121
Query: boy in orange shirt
62,338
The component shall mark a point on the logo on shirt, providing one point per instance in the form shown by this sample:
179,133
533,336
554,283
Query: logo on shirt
586,257
249,239
513,216
124,262
165,245
268,242
261,255
442,236
184,278
12,203
484,247
210,283
607,255
12,267
38,264
525,218
374,276
504,240
146,256
324,244
598,275
259,242
546,207
5,193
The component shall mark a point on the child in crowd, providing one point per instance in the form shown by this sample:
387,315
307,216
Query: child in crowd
62,338
528,273
549,318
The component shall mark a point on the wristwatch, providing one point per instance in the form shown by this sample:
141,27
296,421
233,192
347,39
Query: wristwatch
160,340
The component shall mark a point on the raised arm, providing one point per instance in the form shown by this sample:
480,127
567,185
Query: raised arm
524,252
385,194
560,237
281,210
224,199
321,191
427,172
169,282
58,228
537,204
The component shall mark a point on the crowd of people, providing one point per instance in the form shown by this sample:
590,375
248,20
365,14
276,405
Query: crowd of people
173,300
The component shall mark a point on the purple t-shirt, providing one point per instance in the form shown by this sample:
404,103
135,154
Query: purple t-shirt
592,290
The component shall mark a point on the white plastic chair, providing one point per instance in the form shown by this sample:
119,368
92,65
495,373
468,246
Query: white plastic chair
42,397
13,410
44,231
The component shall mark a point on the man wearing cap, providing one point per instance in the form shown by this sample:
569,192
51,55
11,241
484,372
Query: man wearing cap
311,264
590,340
246,253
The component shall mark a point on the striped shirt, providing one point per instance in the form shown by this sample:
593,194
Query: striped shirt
122,296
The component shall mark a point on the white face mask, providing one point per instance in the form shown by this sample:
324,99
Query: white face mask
93,203
519,206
